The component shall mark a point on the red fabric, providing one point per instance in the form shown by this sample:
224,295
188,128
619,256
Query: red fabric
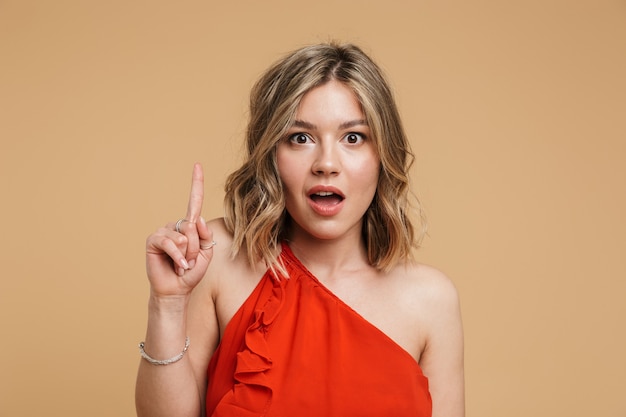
295,349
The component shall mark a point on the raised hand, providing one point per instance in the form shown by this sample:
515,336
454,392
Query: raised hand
178,255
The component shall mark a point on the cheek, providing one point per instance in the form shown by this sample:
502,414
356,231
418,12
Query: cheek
367,171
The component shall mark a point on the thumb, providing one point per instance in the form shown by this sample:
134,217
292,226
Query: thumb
205,235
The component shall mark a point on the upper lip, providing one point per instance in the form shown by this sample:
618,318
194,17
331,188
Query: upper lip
325,189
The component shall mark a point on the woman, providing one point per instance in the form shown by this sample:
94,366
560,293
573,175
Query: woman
303,300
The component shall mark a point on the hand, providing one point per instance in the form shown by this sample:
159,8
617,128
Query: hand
177,261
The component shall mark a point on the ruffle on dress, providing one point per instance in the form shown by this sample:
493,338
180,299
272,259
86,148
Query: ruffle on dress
252,386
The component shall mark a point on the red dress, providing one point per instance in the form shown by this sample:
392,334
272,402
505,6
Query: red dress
295,349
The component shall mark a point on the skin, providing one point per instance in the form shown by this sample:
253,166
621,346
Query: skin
328,148
195,291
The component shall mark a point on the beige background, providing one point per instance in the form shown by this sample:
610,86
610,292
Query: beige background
517,111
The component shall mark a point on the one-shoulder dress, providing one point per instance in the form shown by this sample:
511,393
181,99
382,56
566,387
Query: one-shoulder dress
295,349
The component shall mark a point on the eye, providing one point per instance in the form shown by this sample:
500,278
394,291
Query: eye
354,137
299,138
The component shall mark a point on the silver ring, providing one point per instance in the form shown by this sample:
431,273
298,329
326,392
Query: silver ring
209,246
178,223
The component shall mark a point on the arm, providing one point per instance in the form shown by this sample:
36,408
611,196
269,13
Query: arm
442,359
180,305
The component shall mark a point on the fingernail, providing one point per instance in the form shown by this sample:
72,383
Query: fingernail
184,263
192,263
202,221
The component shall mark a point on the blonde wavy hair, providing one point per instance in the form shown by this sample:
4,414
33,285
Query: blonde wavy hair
255,202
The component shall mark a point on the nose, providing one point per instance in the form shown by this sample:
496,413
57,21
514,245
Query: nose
327,160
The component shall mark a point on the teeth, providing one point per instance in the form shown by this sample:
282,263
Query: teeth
324,193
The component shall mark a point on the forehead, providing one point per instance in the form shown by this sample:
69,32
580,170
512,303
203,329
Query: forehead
331,100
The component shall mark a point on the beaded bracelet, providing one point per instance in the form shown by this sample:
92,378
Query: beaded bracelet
164,361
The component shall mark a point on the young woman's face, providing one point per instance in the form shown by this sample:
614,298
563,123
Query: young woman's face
328,164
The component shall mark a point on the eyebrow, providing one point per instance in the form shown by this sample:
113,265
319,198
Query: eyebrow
344,125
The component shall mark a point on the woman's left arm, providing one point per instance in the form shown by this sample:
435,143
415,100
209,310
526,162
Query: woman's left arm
442,358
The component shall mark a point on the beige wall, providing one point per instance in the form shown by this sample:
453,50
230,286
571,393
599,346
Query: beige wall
517,111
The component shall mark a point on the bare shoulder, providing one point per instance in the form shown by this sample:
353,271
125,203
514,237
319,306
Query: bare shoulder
225,264
427,283
230,278
432,300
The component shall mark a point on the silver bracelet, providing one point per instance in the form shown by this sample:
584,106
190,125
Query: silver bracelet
164,361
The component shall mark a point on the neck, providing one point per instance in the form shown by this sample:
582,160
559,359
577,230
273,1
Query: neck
329,257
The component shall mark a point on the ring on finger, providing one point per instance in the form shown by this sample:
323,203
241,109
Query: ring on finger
209,246
178,223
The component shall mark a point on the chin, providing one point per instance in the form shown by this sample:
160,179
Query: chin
327,232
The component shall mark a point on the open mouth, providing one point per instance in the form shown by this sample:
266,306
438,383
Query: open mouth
326,198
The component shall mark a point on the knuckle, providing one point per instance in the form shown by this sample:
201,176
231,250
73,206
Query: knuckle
163,241
152,239
181,240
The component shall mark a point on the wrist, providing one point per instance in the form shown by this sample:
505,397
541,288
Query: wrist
168,311
172,303
166,331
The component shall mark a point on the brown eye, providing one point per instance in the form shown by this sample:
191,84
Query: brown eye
354,138
299,138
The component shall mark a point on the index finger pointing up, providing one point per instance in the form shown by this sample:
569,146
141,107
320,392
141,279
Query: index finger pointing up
196,197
